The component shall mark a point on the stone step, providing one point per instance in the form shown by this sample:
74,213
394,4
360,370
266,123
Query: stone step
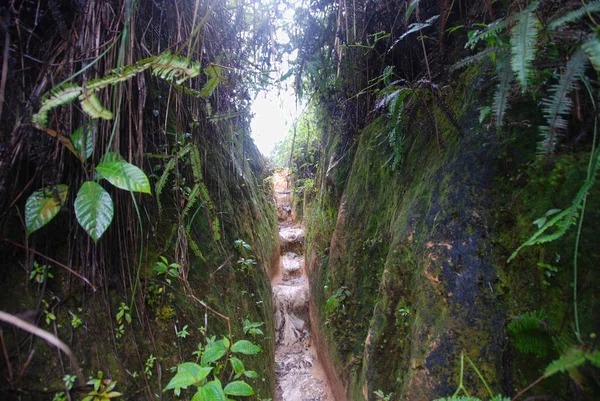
292,264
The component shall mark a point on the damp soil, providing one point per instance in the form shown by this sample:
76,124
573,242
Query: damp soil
299,373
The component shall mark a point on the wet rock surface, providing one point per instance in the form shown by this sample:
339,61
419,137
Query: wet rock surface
299,375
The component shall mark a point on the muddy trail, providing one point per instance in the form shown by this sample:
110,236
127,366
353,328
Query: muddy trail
299,374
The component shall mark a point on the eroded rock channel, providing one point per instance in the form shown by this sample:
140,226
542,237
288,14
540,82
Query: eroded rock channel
299,374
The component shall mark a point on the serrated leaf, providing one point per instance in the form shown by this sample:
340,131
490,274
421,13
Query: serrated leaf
83,142
211,391
124,175
245,347
237,365
213,352
594,358
523,42
94,209
188,374
239,388
43,205
571,359
92,106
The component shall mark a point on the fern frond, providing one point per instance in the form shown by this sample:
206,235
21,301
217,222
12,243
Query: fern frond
531,334
492,29
574,15
193,245
467,61
571,359
523,44
192,198
592,49
567,218
162,181
57,97
216,227
500,104
92,106
196,163
171,67
120,74
560,103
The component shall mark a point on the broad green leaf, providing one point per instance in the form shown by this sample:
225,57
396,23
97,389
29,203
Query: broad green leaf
211,391
409,10
94,209
80,137
226,342
112,157
43,205
571,359
237,365
124,175
188,374
238,388
251,374
213,352
245,347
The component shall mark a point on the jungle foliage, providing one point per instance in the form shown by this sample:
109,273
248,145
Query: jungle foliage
126,175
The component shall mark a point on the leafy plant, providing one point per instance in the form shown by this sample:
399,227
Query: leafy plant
103,389
190,374
43,205
252,328
123,316
75,320
246,264
149,365
40,273
94,207
169,270
183,333
335,301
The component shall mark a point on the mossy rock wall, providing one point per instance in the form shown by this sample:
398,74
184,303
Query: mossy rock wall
409,266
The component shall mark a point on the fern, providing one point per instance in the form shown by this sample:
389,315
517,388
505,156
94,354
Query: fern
192,198
500,104
120,74
92,106
395,136
193,245
62,95
166,66
592,49
491,30
560,104
523,44
171,67
162,181
575,15
196,163
565,219
467,61
530,334
573,358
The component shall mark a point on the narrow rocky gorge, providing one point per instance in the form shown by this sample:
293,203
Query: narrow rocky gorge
299,374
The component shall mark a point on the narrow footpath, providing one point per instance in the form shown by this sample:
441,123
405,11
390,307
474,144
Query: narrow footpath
299,375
